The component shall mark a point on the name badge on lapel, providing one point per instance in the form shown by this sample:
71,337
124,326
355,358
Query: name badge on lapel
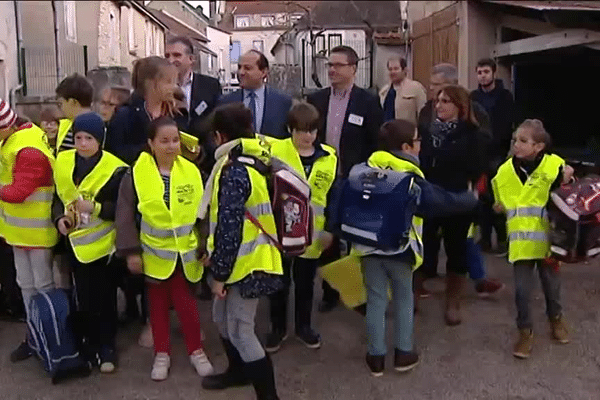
356,119
201,108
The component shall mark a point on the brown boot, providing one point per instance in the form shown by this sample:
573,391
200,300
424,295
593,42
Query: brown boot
454,285
524,344
560,333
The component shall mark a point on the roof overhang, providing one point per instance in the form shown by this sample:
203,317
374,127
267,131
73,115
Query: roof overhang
556,40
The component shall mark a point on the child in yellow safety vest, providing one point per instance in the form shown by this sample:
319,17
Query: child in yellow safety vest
317,163
87,184
522,189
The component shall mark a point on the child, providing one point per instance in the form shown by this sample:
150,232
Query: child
317,163
49,122
26,189
75,95
87,184
522,188
400,146
244,263
157,233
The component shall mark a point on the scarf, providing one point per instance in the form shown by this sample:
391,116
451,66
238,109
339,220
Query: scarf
440,131
221,157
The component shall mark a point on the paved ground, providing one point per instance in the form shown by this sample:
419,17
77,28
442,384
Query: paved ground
471,361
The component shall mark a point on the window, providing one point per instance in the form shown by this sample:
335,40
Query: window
149,38
258,45
242,21
267,20
113,34
234,52
131,30
70,20
335,39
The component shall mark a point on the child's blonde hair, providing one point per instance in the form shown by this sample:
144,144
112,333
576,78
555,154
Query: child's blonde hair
537,131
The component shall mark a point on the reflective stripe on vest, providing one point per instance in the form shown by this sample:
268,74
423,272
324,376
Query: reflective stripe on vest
256,252
321,177
27,224
93,236
527,219
167,233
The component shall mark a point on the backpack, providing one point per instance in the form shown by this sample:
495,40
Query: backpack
51,336
290,201
574,213
374,207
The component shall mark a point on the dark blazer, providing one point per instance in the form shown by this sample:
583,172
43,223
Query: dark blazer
357,143
275,111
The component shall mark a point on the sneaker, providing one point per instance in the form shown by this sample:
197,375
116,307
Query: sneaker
108,360
274,341
487,287
524,344
309,338
404,361
200,362
376,364
160,368
23,352
560,333
146,340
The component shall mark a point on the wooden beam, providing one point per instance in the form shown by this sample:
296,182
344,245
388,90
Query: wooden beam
566,38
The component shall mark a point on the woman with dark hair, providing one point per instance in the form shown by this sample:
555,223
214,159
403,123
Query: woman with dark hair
453,156
244,263
158,235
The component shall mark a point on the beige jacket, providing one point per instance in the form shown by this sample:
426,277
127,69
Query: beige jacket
410,99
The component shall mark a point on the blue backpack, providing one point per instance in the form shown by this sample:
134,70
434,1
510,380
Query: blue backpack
374,207
51,336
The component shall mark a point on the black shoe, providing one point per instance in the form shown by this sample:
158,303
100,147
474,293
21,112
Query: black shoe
376,364
308,337
405,360
274,340
326,306
107,359
234,375
23,352
262,376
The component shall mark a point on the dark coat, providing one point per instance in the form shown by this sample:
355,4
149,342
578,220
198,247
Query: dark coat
357,143
275,111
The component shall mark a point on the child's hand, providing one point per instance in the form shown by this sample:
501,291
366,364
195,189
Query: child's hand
135,264
498,208
218,289
84,206
65,225
568,174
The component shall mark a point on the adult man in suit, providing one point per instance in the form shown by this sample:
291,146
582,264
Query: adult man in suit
350,118
269,106
201,92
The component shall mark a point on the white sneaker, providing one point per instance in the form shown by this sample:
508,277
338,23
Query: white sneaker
201,364
160,369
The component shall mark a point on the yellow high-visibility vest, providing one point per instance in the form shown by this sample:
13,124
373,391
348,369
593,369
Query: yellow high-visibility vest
168,234
525,204
321,178
64,126
27,224
96,239
386,160
256,252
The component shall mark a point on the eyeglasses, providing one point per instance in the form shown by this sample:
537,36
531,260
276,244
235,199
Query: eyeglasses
337,65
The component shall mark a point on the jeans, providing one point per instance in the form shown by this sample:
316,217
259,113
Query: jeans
380,273
303,271
234,317
524,283
34,272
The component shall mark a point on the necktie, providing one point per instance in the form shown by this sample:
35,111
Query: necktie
252,106
389,105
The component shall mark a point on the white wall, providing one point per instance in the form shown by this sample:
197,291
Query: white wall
109,38
219,43
246,38
9,74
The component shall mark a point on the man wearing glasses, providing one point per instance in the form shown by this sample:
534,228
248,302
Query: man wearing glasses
350,118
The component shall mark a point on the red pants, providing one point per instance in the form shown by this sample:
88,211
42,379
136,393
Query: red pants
161,295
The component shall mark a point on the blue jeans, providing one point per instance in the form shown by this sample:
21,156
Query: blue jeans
380,273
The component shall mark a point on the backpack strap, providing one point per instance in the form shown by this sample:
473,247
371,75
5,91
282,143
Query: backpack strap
257,223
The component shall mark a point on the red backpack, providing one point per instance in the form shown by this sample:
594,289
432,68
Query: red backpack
290,201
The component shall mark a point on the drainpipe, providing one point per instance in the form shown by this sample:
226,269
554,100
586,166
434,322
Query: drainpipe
56,43
21,72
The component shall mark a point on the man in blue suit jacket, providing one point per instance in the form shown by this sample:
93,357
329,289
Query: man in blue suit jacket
269,106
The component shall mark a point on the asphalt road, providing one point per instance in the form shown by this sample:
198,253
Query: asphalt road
471,361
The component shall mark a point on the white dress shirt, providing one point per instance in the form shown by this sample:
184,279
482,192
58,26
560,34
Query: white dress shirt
187,89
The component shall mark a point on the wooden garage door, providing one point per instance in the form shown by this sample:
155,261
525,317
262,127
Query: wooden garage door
434,41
